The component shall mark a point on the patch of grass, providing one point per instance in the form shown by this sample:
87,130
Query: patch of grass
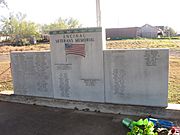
145,43
5,78
174,81
39,47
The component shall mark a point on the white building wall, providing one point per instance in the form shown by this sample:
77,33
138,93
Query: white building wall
147,31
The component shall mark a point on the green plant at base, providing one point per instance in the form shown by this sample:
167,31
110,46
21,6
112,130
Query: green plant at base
142,127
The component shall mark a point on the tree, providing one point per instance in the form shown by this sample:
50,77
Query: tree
169,32
16,26
72,23
67,23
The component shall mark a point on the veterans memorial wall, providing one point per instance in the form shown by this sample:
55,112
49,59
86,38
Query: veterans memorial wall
32,73
77,68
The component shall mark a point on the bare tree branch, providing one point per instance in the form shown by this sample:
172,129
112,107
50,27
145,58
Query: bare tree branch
3,3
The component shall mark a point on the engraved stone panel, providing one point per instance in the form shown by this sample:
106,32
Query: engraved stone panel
138,77
31,73
77,64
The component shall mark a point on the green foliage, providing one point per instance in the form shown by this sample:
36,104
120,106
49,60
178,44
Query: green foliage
67,23
17,27
169,32
142,127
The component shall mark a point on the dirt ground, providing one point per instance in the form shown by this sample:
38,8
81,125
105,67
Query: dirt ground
5,74
4,57
21,119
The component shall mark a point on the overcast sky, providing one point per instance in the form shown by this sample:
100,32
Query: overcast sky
115,13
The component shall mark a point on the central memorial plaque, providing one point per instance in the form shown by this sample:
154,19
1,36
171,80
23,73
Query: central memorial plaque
77,64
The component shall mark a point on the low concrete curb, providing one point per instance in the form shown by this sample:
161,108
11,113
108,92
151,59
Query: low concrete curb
169,112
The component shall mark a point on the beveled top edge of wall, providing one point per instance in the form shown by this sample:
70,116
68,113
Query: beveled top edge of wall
137,49
44,51
76,30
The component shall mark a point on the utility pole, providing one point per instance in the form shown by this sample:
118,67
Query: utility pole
98,13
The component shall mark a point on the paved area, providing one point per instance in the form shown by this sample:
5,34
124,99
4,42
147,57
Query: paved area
21,119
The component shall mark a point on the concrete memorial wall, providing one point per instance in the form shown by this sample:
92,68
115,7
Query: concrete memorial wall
77,64
78,69
31,73
138,77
